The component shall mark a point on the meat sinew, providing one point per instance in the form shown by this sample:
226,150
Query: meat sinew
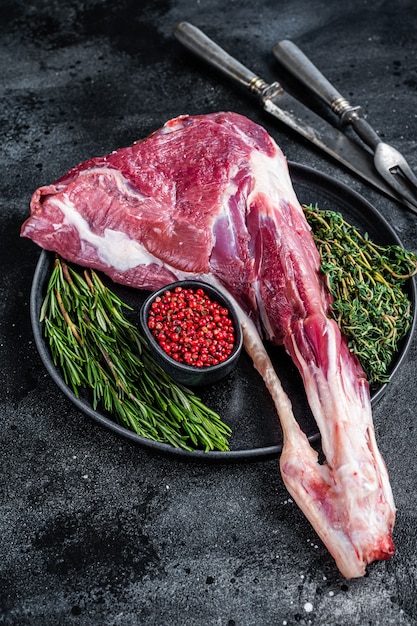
211,197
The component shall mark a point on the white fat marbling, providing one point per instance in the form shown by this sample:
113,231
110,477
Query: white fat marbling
272,177
114,247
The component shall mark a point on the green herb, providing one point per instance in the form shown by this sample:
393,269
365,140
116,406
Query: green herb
366,280
99,349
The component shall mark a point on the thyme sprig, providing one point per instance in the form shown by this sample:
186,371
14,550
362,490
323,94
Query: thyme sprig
367,282
97,348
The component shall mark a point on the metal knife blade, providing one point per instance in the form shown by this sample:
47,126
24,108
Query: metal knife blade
288,110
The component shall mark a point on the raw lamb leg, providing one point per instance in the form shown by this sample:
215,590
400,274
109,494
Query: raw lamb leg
211,197
348,500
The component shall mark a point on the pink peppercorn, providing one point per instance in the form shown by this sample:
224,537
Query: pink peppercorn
191,328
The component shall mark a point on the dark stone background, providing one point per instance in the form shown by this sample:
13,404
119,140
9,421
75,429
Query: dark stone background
97,530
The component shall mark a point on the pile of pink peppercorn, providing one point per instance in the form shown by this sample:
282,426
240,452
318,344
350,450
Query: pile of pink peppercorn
191,328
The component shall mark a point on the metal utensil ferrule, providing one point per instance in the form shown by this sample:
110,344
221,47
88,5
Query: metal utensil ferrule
345,110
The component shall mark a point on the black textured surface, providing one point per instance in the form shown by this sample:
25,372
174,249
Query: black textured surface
94,529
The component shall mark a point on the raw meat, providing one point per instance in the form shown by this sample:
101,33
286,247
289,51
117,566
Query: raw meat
211,197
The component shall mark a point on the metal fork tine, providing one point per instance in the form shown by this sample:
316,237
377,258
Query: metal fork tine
399,181
409,174
394,168
389,162
400,186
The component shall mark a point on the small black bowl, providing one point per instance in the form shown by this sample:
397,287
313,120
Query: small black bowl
181,372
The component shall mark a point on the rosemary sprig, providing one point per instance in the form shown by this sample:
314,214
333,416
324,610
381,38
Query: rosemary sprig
99,349
366,281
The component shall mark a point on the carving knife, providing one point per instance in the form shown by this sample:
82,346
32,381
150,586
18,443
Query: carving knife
287,109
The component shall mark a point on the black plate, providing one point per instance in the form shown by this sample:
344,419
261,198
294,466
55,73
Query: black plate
241,398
